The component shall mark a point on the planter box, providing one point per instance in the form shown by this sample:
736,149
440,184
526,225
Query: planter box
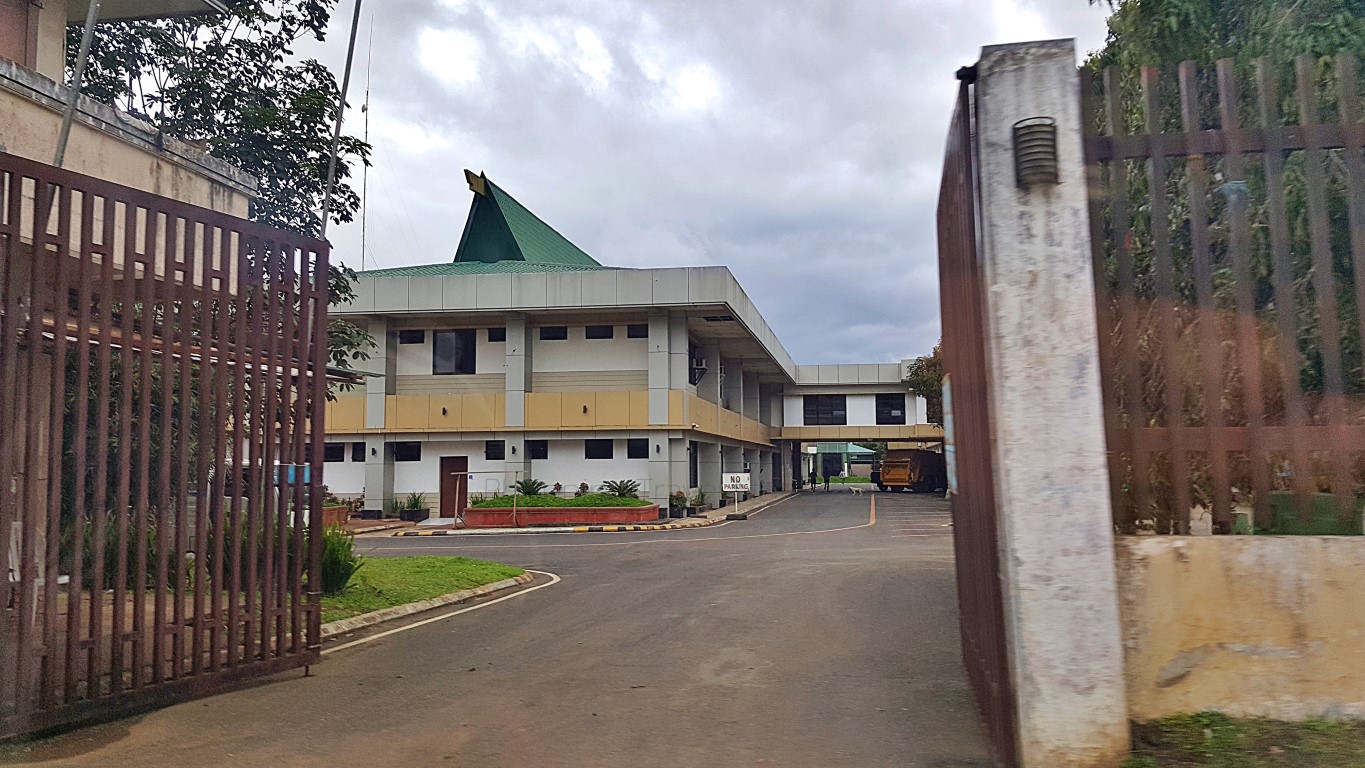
336,515
413,515
501,517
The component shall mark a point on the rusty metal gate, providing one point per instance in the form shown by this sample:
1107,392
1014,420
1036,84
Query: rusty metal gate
1228,221
980,604
162,369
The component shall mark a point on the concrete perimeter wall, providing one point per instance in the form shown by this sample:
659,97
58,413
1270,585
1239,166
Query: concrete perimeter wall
1268,626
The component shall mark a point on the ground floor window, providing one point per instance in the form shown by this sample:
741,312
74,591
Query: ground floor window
494,450
358,451
333,451
598,449
637,448
407,451
537,449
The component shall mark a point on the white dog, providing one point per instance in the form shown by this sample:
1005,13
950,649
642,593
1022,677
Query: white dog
857,490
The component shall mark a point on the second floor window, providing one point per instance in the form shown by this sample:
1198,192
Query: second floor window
891,409
826,410
452,352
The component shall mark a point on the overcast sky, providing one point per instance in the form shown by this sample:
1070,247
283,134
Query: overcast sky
797,142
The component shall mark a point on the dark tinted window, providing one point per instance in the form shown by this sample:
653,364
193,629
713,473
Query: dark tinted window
358,451
637,331
494,450
554,333
891,409
597,449
826,410
407,451
637,448
599,332
453,352
497,334
693,465
334,452
412,337
537,449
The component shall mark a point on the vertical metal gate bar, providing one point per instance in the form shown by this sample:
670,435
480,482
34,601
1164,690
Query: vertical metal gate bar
147,338
1133,408
1236,190
980,602
270,443
127,309
252,248
213,359
1167,308
1348,105
319,354
203,378
103,404
234,254
289,460
1324,288
297,363
75,600
1208,330
1282,278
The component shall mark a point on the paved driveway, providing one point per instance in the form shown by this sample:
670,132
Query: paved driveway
807,636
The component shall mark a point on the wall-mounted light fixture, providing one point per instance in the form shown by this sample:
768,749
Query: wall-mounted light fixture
658,448
443,412
514,450
374,451
585,409
1035,152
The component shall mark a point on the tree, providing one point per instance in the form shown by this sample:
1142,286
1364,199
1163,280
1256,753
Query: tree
924,376
230,82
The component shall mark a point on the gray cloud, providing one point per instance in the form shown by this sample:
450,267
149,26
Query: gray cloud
797,143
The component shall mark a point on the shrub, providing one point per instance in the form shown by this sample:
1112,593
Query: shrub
626,489
582,489
677,500
415,501
529,487
339,560
699,500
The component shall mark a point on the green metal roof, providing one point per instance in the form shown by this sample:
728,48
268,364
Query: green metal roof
475,268
500,229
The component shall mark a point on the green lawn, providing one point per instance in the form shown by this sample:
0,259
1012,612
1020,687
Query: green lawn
551,500
383,582
1211,740
836,480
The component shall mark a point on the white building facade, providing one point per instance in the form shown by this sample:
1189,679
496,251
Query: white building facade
494,368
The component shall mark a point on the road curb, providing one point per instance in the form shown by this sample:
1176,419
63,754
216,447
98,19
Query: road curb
563,529
380,527
340,627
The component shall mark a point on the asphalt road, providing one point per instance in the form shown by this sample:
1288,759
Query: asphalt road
810,635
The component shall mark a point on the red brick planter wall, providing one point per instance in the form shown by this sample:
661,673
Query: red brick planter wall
501,517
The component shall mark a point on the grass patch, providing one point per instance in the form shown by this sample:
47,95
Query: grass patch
388,581
850,479
551,500
1213,740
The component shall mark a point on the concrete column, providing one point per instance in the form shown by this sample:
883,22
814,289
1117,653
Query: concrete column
732,385
667,467
515,466
518,364
1056,532
757,475
378,474
751,396
709,387
385,359
667,361
708,469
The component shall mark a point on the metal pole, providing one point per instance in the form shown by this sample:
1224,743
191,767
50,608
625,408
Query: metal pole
73,91
336,133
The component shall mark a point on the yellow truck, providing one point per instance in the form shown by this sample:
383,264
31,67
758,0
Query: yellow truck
911,469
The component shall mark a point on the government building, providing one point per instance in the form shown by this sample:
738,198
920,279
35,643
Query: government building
526,358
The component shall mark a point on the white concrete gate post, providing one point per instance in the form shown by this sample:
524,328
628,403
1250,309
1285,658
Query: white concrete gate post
1051,476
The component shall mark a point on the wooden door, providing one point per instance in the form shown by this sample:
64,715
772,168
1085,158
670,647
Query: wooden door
454,485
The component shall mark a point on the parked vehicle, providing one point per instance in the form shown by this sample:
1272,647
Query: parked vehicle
911,469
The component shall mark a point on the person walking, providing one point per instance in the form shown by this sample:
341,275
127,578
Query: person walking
827,480
813,478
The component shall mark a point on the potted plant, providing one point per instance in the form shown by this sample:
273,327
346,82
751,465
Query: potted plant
334,510
677,504
414,508
697,504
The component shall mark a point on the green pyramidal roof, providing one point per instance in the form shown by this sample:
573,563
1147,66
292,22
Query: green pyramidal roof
500,229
